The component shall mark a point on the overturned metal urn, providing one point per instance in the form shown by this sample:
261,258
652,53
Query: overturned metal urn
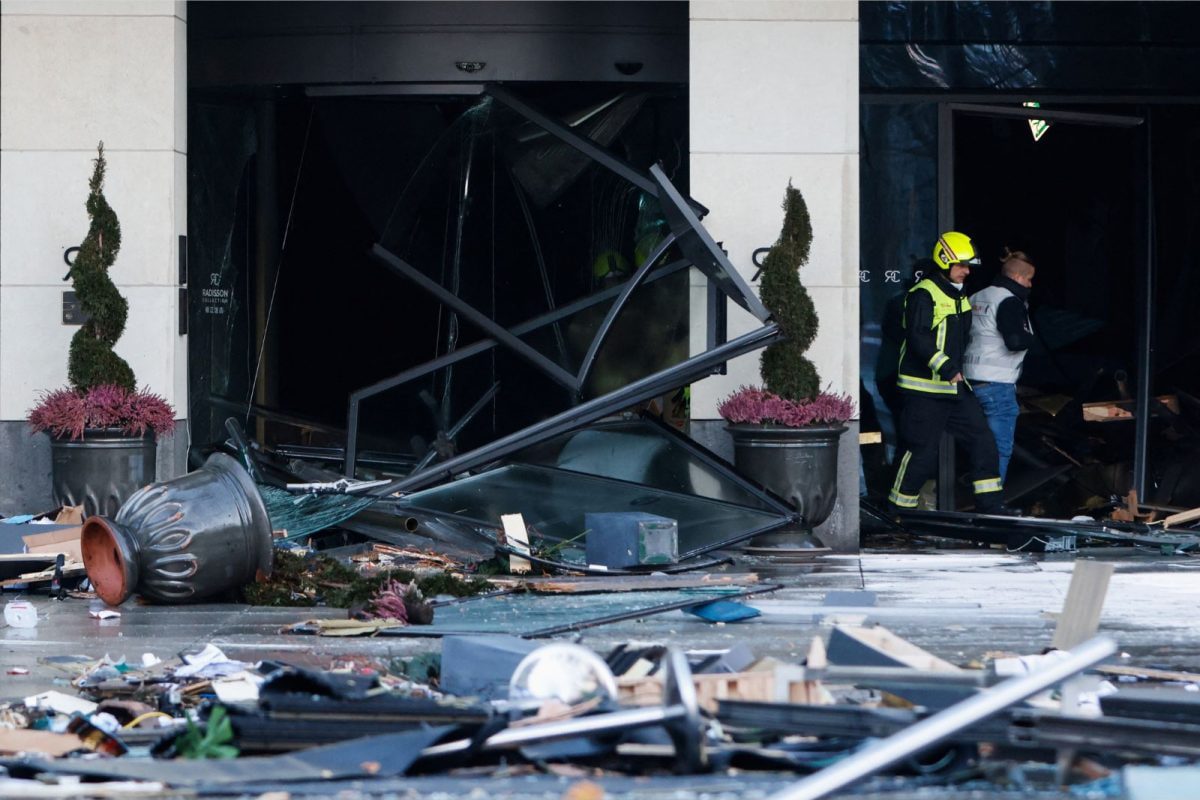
181,540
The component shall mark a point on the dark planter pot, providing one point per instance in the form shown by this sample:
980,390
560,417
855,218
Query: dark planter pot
183,539
101,470
798,464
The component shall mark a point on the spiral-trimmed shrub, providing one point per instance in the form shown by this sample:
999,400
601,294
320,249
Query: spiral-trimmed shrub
92,361
785,370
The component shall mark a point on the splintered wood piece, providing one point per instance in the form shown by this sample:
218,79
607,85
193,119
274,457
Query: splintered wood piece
1181,518
816,654
1080,617
517,538
877,646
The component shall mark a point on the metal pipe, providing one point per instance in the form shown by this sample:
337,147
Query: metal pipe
585,366
584,145
631,394
472,349
574,728
476,317
638,613
708,257
930,731
1145,321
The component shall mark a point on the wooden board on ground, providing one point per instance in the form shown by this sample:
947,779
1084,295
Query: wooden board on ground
1080,617
1115,410
1149,673
70,570
784,684
627,583
24,740
877,646
1182,518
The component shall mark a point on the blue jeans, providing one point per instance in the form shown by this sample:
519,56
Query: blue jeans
999,401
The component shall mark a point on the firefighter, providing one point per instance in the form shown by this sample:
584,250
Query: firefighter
936,399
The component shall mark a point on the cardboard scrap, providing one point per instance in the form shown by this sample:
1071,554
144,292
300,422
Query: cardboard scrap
351,627
26,740
60,536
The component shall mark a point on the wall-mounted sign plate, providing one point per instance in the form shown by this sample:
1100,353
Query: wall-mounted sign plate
72,310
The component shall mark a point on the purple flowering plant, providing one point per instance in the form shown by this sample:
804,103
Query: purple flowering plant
66,413
755,406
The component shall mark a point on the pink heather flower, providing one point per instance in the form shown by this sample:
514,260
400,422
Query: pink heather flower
388,602
754,406
67,412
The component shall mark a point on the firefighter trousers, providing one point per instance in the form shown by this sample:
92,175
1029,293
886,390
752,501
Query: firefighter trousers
923,419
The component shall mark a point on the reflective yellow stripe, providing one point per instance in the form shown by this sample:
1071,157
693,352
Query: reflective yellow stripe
925,385
987,485
896,496
938,359
941,335
900,472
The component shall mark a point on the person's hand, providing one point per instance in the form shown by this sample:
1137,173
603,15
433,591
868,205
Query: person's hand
957,378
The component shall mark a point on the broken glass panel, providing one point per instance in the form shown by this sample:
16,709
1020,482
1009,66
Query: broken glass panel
650,453
542,326
553,503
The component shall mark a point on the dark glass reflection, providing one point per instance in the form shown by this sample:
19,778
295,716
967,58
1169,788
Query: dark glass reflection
643,452
553,503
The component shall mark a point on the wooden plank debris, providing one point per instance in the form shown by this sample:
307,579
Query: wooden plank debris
769,681
1118,410
71,569
1182,518
877,646
1080,617
1149,673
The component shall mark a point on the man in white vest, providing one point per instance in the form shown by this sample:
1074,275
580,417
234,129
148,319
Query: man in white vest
1001,335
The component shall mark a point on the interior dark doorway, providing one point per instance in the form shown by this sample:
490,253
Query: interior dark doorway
1068,188
291,192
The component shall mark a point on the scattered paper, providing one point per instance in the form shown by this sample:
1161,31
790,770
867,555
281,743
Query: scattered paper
242,688
59,703
104,613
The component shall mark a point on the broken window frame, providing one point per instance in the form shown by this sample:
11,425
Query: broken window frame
701,251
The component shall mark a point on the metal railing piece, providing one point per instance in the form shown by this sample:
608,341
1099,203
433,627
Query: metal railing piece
930,731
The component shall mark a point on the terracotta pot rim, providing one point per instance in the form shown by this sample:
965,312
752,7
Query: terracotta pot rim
109,558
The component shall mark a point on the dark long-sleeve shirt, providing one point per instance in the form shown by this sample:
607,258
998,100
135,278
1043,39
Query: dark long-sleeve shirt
1012,316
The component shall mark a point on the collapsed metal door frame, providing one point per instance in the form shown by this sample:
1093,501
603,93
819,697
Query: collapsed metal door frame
686,232
945,216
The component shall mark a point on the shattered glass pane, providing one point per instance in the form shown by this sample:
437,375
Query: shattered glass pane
643,452
553,503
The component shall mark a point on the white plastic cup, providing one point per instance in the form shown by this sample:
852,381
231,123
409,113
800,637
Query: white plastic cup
20,614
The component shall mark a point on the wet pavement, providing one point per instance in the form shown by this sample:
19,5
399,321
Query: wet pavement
958,604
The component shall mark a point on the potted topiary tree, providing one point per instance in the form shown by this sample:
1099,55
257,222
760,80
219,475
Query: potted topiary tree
786,434
102,429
